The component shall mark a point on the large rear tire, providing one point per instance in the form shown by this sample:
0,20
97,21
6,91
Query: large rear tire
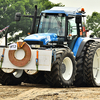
14,78
79,79
63,69
92,65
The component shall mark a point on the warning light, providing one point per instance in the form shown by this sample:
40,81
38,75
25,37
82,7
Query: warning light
82,9
28,33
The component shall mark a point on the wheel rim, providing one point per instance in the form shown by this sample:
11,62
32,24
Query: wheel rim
18,73
96,67
67,68
31,72
8,70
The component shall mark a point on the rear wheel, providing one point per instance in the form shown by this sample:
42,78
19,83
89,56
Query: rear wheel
79,79
63,69
92,65
14,78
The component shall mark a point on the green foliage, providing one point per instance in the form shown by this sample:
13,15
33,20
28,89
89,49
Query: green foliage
93,23
8,8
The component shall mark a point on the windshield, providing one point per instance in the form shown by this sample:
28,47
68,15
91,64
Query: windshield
72,27
52,24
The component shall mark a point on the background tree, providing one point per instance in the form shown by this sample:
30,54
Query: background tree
93,23
8,8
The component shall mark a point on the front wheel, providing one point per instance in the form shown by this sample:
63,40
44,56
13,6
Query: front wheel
63,69
92,65
14,78
37,78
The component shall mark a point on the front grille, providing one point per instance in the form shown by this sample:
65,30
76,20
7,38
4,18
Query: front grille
35,42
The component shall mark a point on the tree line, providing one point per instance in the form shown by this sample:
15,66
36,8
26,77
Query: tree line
8,8
93,23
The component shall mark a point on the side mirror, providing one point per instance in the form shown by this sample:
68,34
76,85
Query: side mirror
17,16
78,19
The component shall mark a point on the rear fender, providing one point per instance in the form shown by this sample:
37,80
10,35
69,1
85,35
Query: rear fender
80,43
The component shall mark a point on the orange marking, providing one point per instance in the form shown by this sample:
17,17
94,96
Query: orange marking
70,35
29,33
80,32
37,54
23,44
3,51
83,29
18,44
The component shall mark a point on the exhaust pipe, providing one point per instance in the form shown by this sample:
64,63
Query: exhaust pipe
34,20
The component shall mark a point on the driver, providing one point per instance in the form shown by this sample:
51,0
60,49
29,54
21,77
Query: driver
60,29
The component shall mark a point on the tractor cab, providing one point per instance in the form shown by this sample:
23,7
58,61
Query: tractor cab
58,26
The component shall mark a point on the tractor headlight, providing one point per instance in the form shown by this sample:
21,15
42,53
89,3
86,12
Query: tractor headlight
35,46
52,43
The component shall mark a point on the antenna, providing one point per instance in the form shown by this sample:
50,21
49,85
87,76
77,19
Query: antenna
77,9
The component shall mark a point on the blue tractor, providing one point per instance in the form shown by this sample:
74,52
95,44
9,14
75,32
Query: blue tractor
60,29
74,57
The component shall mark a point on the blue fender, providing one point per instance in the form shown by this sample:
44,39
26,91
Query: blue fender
80,43
77,44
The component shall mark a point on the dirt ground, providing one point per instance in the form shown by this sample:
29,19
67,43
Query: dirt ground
44,92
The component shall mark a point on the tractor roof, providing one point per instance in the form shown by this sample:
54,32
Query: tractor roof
64,10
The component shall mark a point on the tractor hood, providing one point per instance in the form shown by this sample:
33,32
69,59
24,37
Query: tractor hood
43,37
